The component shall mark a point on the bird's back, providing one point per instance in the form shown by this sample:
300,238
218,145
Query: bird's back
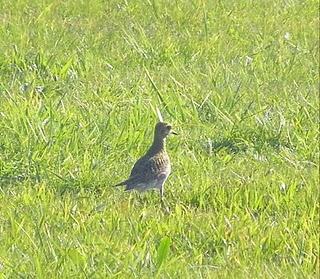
149,167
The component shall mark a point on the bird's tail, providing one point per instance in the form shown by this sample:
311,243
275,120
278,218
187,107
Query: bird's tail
127,182
121,183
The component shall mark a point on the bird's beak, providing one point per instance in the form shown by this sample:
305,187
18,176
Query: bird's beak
174,133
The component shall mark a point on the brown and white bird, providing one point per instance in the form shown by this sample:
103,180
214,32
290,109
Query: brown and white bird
152,169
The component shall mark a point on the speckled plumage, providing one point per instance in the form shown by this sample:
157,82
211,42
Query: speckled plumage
152,169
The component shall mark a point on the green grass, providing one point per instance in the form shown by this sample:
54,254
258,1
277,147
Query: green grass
79,84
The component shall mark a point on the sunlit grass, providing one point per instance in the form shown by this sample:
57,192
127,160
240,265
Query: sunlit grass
79,83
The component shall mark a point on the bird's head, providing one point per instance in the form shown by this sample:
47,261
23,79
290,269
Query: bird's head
163,129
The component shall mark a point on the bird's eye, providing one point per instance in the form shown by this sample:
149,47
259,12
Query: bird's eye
169,127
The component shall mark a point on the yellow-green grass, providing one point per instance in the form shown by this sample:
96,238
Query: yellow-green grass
79,84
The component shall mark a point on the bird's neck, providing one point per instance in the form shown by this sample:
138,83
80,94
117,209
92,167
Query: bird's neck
158,145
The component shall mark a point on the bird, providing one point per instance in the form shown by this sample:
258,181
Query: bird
153,168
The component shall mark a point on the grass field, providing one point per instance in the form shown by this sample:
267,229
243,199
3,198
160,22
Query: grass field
79,84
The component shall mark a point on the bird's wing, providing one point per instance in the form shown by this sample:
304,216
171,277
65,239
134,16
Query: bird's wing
146,169
138,166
